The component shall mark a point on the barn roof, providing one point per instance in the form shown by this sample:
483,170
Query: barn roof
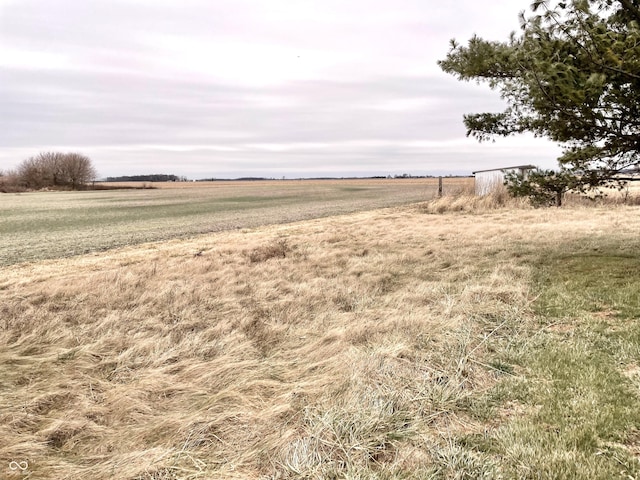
520,167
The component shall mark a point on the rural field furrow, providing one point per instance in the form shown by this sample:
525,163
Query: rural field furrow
35,226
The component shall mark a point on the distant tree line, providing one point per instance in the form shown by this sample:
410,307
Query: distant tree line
50,170
156,177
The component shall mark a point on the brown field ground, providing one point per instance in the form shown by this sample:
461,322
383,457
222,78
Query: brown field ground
351,346
39,225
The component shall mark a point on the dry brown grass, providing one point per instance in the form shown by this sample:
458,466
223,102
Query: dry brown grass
628,195
464,199
340,346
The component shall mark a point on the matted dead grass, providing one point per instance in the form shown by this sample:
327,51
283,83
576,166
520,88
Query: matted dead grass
341,346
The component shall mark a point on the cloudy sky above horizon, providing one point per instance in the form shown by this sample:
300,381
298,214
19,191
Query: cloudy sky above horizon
212,88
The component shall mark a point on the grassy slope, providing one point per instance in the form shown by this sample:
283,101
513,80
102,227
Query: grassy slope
387,344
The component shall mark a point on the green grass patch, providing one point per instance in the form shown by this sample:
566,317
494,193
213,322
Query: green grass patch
573,410
603,282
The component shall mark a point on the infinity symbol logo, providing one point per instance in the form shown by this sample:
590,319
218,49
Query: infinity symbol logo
18,466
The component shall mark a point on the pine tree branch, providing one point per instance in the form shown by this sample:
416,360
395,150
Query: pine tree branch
631,8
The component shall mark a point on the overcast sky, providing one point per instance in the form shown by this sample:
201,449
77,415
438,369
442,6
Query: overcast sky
230,88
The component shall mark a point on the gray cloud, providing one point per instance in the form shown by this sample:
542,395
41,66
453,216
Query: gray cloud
248,88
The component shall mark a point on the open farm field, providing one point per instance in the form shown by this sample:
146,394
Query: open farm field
40,225
381,344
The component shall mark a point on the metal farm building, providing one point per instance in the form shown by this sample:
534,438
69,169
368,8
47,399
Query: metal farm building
486,181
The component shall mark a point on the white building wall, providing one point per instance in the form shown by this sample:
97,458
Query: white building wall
487,182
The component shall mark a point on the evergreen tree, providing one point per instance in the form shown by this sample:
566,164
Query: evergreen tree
572,75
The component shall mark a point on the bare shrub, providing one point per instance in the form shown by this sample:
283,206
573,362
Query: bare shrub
75,170
10,182
54,169
276,249
35,172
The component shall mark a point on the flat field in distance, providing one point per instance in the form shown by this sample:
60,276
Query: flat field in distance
40,225
386,344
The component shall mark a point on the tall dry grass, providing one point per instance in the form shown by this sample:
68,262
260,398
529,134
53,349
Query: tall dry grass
464,199
342,347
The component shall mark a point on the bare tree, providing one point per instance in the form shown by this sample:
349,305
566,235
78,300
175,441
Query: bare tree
54,169
9,181
35,172
76,170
